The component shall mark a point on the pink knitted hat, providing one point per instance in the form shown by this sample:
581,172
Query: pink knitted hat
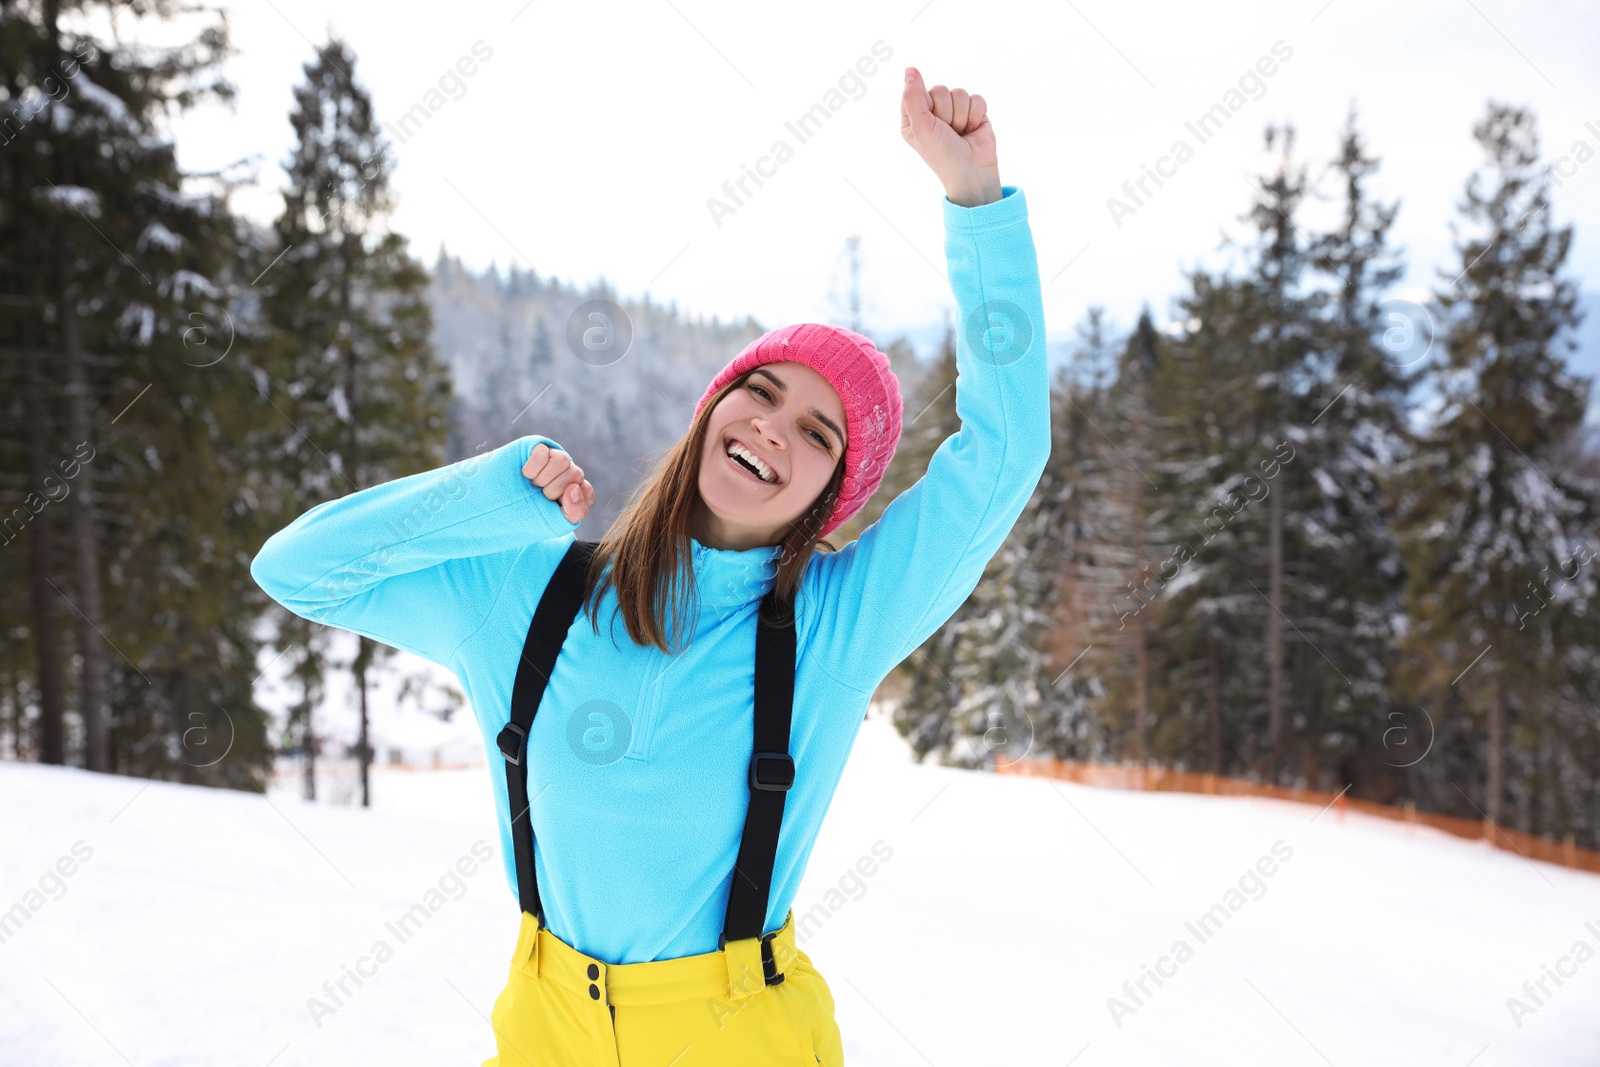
861,376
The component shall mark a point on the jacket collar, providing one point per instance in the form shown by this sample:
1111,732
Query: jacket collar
726,578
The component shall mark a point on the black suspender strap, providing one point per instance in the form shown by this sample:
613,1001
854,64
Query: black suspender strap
771,775
771,770
559,605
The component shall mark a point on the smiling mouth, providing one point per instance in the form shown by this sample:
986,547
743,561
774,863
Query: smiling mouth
747,470
745,466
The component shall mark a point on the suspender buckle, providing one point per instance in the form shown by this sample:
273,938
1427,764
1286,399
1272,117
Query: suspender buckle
769,965
772,771
513,742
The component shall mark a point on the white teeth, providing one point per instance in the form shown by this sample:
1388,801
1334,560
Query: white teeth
736,449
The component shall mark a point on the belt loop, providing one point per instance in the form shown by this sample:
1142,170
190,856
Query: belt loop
528,946
533,957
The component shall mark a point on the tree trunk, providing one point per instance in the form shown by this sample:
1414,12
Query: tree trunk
11,716
308,749
1310,753
1497,750
364,753
86,555
1142,692
1274,629
41,560
308,738
1214,711
1141,634
365,647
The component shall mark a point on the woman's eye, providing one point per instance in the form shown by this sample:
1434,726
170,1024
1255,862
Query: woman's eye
763,392
821,439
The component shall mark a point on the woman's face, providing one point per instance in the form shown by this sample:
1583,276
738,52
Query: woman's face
792,420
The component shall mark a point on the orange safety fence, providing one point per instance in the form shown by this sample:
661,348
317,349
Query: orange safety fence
1160,779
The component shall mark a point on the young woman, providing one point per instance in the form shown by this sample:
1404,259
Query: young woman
670,788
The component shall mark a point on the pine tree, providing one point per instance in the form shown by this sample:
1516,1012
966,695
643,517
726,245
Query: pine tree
1279,258
34,656
1128,538
1074,508
1491,524
1238,626
1353,572
995,664
1223,460
120,268
351,355
540,358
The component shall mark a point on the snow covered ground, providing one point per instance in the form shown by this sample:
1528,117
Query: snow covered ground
195,926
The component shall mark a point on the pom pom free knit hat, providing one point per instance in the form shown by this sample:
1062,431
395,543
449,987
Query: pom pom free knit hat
861,375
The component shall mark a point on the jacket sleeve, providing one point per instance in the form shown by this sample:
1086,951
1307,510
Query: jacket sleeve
883,594
416,562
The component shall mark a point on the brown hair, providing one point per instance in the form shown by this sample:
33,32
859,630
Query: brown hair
649,541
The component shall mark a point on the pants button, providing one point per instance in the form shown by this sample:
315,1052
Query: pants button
594,971
594,992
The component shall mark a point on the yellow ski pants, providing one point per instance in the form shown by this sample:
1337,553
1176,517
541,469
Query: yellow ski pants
562,1008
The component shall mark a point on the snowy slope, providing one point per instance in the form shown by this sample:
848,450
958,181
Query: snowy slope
196,925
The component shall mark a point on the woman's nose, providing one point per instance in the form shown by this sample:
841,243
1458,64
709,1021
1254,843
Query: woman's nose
764,428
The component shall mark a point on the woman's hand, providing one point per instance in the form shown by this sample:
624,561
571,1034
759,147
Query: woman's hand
552,470
952,133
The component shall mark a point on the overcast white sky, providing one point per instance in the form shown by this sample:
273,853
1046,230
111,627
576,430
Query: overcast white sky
591,139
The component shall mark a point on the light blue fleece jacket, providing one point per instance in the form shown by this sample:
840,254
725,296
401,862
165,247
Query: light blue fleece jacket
638,760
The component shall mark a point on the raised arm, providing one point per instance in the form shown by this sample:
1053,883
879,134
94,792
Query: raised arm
882,595
418,561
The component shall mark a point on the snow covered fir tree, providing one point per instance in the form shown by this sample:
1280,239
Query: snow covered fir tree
349,359
130,430
1498,520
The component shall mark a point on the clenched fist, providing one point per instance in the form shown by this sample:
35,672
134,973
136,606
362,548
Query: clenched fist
951,131
552,470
